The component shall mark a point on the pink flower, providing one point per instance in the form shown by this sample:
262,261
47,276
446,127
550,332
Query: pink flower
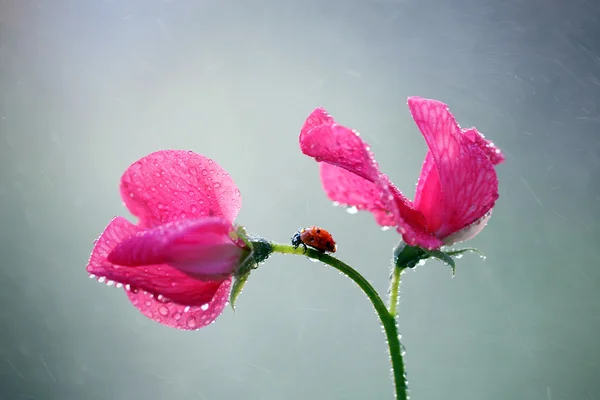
456,191
176,263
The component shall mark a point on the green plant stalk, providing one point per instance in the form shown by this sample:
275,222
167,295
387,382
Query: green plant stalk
394,290
387,318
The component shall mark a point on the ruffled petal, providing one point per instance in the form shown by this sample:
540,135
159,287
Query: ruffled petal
468,185
178,315
489,148
337,145
158,279
350,189
353,177
201,247
175,184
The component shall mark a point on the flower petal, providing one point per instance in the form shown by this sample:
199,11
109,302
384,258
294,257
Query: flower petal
489,148
178,315
201,247
175,184
468,185
337,145
350,189
358,181
157,279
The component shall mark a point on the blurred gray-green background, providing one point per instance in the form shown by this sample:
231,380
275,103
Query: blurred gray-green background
88,87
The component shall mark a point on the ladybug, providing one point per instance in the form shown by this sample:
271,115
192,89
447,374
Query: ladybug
315,237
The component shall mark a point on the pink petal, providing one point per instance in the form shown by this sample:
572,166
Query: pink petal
350,189
157,279
411,223
201,247
489,148
178,315
337,145
351,176
175,184
468,185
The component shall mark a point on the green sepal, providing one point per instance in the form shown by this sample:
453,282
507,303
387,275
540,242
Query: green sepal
258,251
459,252
236,288
406,256
443,257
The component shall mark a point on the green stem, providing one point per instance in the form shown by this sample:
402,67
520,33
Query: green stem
388,320
394,290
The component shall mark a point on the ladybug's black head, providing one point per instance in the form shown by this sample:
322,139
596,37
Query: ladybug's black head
296,241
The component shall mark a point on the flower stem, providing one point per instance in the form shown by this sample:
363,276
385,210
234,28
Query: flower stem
394,290
386,317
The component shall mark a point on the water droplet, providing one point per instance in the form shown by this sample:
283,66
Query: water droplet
177,316
336,203
193,208
386,228
119,285
186,309
217,185
131,194
152,188
313,260
191,322
160,206
110,283
204,307
164,311
191,193
352,210
101,279
204,172
237,193
92,276
148,303
128,287
210,161
182,215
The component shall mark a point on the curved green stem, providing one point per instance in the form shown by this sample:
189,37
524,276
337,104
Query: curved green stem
388,319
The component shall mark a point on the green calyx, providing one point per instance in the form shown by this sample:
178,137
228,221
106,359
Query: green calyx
406,256
259,251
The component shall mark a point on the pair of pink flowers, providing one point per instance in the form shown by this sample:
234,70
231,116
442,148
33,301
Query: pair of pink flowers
177,263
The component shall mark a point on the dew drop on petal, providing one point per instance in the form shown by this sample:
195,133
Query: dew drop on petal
216,185
204,307
352,210
386,228
336,203
191,322
164,311
160,206
101,279
186,309
177,316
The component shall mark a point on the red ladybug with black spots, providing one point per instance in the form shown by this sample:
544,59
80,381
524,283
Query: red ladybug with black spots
315,237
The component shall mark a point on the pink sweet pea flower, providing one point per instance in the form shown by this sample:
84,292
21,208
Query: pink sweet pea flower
456,191
176,263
